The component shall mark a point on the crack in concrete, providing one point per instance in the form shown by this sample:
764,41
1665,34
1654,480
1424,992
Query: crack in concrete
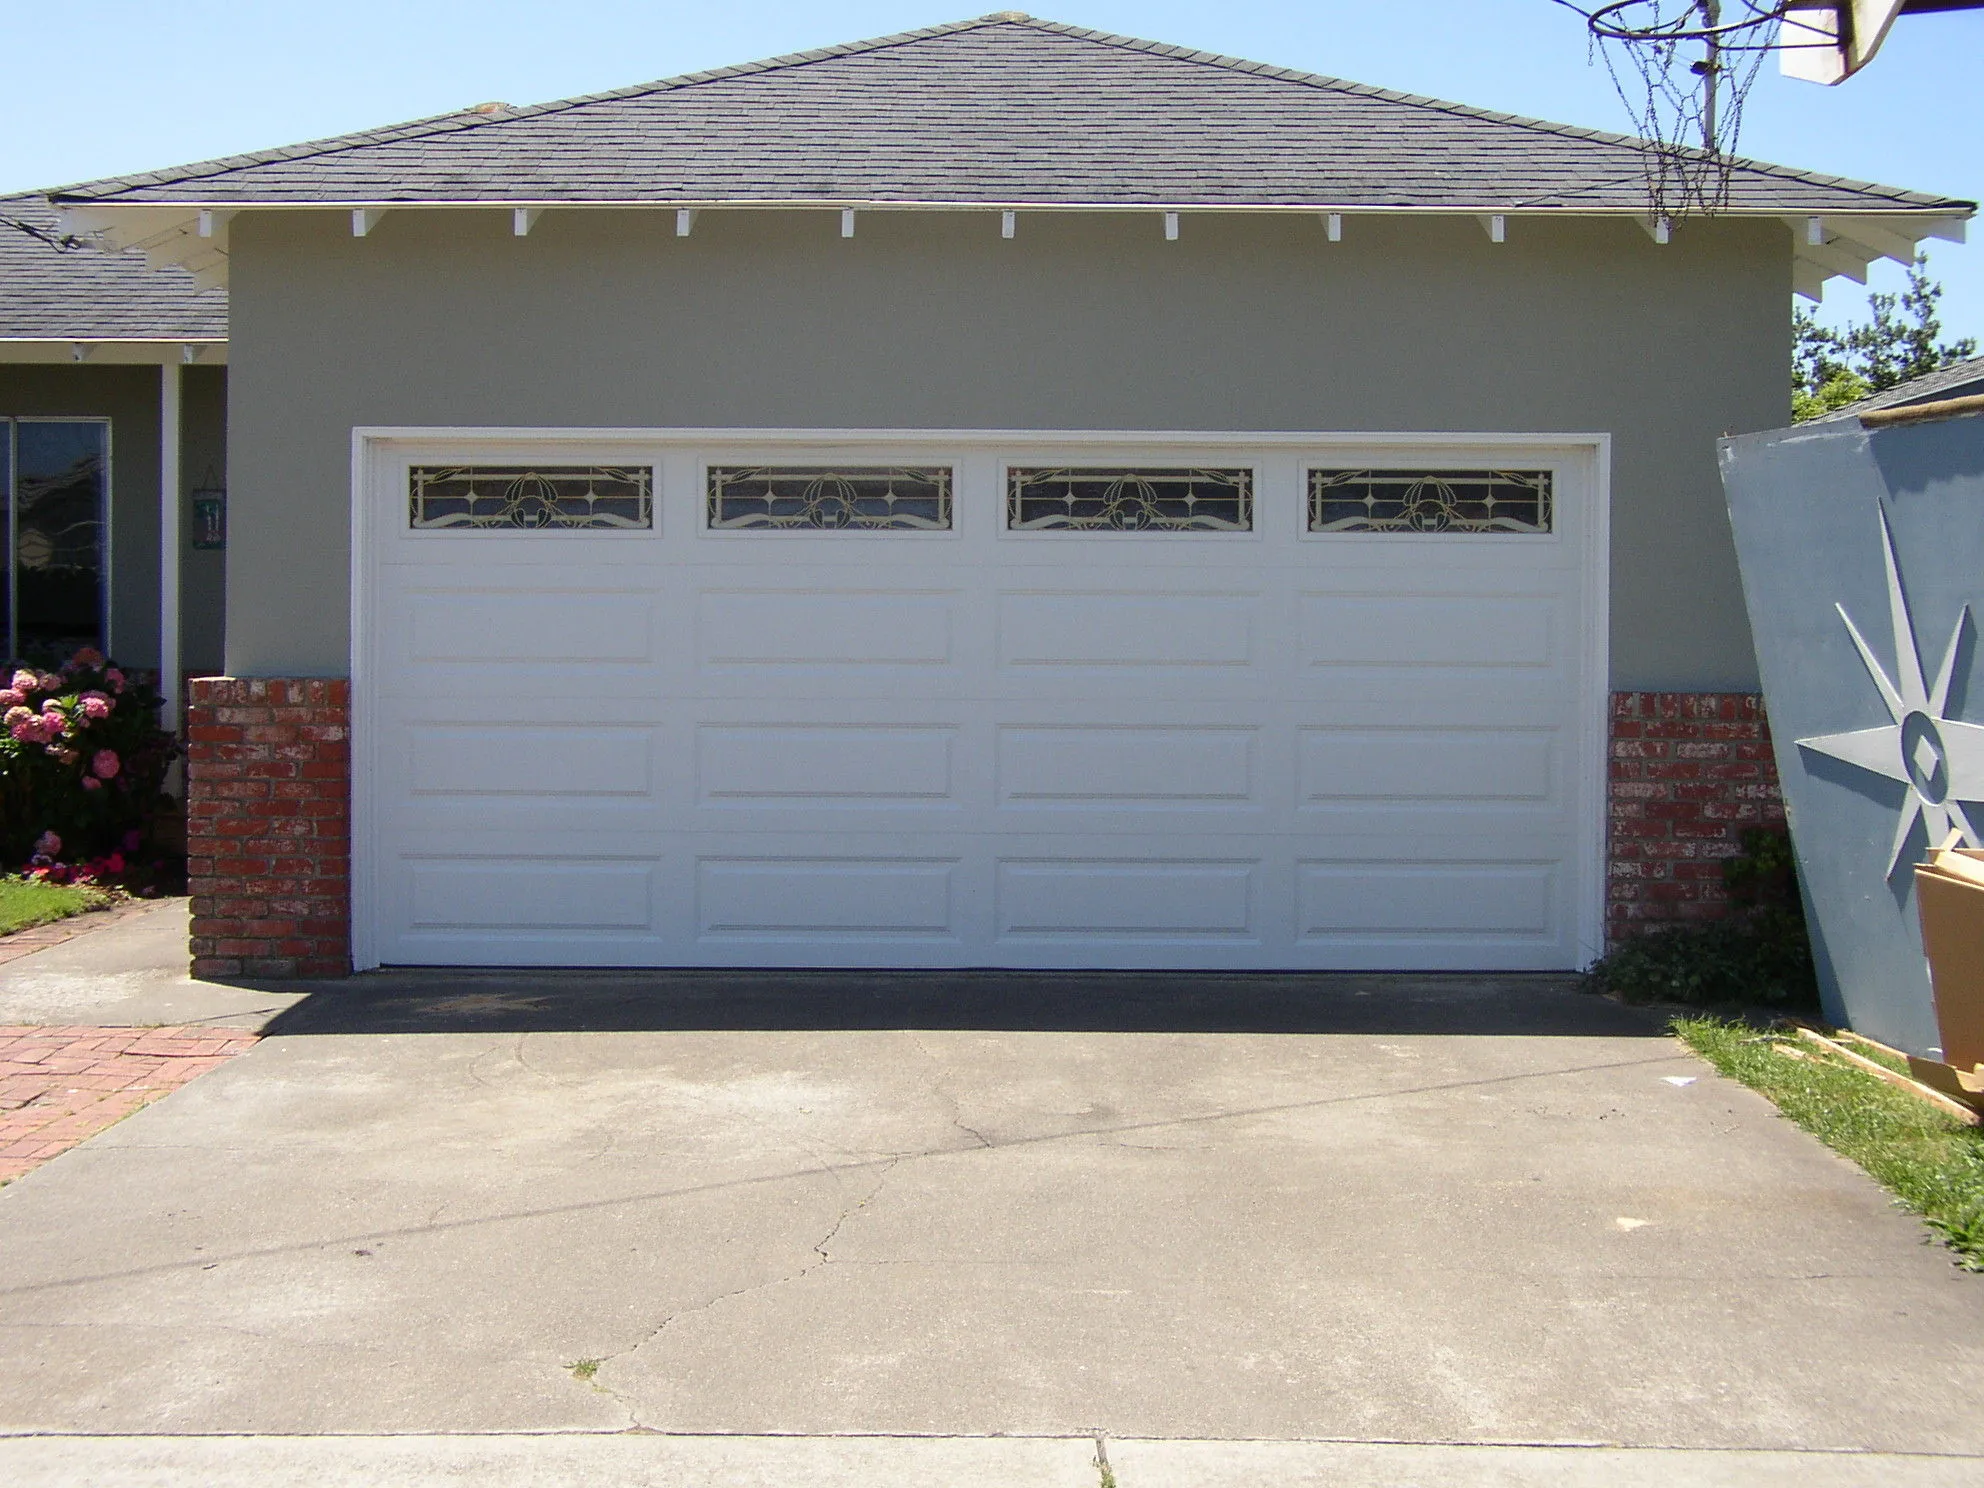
940,1087
819,1249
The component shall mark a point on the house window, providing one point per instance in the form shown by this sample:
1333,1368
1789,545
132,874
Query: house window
823,498
1119,499
1429,501
55,490
529,498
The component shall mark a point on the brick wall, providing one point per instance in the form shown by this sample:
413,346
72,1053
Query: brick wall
268,826
1689,771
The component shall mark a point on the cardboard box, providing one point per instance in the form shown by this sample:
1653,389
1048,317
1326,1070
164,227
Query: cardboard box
1949,896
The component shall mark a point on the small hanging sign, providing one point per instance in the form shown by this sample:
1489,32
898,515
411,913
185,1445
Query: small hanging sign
209,520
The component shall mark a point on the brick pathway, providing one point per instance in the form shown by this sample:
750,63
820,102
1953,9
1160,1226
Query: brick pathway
60,1086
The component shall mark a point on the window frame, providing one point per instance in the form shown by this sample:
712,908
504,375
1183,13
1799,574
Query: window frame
10,628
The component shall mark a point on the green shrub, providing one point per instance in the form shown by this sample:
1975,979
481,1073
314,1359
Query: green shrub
82,767
1760,956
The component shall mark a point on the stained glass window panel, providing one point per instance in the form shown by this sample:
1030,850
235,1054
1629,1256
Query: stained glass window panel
1123,499
1460,501
824,498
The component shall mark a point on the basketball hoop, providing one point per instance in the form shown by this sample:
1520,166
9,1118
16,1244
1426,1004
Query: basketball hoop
1683,68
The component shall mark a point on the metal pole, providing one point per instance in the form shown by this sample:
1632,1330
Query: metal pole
1711,71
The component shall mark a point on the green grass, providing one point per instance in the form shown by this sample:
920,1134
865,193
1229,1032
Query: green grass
25,902
584,1369
1931,1162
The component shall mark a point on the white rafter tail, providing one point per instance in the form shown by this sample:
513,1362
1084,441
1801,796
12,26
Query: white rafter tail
1878,238
190,354
1815,232
1876,749
1897,710
364,219
523,219
1908,678
1170,227
847,222
79,351
685,221
1496,226
1808,281
213,221
1660,229
1333,226
1009,223
1949,229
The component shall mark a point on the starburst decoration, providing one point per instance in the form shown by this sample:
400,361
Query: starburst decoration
1939,758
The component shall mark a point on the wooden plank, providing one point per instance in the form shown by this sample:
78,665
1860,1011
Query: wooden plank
1875,1044
1935,1098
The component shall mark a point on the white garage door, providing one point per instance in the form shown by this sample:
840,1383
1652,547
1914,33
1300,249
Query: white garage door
1247,702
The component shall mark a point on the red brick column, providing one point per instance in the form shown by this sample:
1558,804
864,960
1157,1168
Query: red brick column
1689,771
268,826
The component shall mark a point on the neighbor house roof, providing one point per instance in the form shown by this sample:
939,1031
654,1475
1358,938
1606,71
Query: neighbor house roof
1958,380
1004,111
58,296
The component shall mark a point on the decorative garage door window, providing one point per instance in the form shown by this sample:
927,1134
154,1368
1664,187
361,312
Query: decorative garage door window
1114,499
1429,501
510,498
824,498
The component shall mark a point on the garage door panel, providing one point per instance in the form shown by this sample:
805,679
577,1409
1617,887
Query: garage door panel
826,765
1362,766
1384,900
543,760
841,897
571,628
1146,631
1141,898
1127,766
788,629
524,896
1429,630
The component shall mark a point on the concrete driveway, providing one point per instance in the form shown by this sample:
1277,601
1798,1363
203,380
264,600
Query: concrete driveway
1268,1209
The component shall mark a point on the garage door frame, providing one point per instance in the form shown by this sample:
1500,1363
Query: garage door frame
373,449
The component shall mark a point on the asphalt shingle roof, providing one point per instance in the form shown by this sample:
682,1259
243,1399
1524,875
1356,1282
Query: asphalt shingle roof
48,294
1001,110
1958,380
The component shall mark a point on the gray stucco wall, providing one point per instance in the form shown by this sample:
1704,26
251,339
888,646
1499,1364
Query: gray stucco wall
932,320
129,397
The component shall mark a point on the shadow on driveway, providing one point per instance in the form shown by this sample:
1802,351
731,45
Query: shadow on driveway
475,1001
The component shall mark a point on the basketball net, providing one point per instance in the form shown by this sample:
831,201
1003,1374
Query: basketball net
1683,68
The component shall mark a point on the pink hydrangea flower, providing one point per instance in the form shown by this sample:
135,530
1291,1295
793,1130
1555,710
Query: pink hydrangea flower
96,705
90,782
47,845
115,678
16,714
89,656
10,698
106,764
26,681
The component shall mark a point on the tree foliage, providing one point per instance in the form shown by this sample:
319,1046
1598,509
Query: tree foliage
1903,339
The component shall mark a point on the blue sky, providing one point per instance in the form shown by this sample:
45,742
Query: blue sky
118,85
